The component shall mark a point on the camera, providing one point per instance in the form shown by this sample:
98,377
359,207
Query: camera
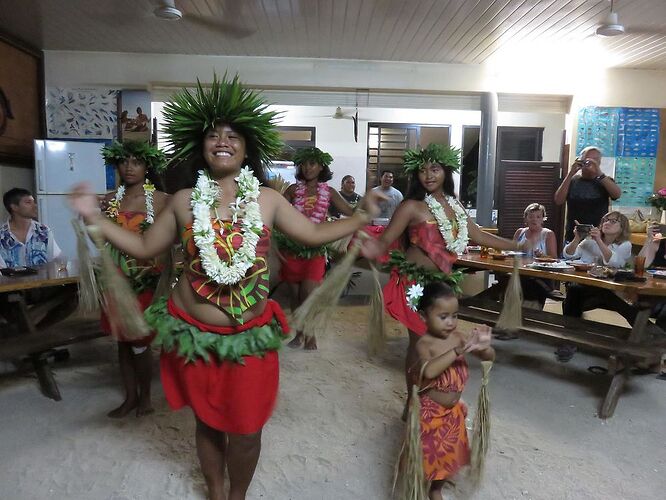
584,229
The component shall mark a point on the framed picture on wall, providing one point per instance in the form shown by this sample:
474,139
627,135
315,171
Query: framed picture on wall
21,98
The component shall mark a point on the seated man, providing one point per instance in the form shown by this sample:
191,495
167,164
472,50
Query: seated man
23,240
26,242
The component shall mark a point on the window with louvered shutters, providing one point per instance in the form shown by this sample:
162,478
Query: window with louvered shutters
521,183
387,143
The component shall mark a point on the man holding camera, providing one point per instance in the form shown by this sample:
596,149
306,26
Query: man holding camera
587,195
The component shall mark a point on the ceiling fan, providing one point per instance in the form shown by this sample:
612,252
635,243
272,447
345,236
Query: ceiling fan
611,26
226,19
340,114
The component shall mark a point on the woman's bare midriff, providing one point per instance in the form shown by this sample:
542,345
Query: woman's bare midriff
205,311
446,399
417,256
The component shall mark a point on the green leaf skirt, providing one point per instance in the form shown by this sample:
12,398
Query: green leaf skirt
191,343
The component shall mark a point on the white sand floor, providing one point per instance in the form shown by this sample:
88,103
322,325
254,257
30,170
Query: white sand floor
336,430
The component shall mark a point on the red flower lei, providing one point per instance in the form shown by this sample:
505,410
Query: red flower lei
320,209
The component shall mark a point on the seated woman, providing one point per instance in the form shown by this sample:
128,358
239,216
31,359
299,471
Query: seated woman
654,251
608,245
543,243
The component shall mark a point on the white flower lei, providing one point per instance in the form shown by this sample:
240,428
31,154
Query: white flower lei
148,191
459,244
245,207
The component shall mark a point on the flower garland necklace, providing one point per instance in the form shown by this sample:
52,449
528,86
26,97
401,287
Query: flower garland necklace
454,244
114,204
245,208
321,205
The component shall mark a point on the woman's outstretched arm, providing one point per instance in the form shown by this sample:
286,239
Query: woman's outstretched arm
156,240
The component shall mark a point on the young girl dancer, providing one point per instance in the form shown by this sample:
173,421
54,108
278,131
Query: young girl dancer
218,330
134,206
303,268
441,374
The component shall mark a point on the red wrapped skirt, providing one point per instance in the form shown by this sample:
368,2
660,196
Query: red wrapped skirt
227,396
296,270
395,303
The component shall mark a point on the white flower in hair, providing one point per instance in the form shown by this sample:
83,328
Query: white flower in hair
414,294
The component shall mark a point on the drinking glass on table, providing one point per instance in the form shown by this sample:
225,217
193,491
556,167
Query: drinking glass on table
639,265
60,265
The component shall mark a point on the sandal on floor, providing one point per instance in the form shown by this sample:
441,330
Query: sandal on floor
564,353
597,370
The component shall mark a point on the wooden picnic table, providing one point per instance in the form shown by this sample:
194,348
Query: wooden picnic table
624,346
26,337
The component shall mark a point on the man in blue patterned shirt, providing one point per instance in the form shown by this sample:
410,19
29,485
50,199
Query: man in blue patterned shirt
23,240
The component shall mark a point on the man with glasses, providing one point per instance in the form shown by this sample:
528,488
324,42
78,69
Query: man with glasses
587,195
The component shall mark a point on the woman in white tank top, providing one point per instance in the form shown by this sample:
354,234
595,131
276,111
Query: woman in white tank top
542,239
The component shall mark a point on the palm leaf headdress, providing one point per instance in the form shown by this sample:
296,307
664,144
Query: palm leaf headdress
305,154
446,156
117,152
190,114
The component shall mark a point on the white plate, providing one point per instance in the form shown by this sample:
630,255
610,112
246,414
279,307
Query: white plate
514,253
656,272
551,266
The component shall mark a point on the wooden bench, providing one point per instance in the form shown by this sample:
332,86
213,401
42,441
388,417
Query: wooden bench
36,346
624,346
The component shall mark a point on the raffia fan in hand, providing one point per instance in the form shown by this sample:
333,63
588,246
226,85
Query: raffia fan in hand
278,183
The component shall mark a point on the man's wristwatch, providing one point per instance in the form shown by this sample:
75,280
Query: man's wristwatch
600,177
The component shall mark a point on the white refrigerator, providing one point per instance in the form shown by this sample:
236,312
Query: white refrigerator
58,166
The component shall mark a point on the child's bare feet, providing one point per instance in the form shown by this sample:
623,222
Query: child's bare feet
310,344
127,406
297,341
405,412
436,492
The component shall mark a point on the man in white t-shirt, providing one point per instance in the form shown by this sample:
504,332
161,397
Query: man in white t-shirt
394,197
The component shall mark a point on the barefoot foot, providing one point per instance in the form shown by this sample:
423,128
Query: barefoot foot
310,344
144,408
127,406
297,341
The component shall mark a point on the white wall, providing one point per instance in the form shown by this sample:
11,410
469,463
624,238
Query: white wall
540,75
11,177
336,137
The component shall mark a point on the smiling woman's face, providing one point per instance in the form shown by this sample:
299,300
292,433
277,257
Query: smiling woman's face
431,176
224,149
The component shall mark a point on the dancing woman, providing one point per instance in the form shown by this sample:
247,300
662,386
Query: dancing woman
437,230
218,330
303,268
134,206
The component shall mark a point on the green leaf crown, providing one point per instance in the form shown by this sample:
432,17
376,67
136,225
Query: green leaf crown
446,156
143,151
189,115
315,154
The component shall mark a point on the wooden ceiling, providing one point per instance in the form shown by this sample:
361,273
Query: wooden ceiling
433,31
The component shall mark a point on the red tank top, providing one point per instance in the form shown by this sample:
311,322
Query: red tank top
426,236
